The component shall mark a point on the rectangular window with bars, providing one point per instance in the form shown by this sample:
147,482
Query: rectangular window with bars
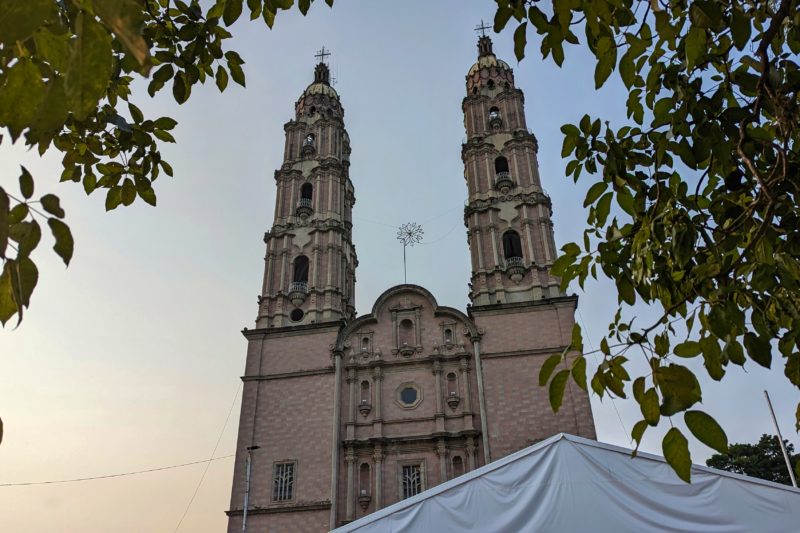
283,482
411,481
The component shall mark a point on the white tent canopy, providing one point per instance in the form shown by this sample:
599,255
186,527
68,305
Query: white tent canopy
568,483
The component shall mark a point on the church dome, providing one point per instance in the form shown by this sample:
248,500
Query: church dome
321,88
486,62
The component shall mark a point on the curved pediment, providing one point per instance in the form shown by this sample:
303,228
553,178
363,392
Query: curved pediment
407,319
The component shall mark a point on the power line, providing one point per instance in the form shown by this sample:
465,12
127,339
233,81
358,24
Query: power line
114,475
594,356
205,470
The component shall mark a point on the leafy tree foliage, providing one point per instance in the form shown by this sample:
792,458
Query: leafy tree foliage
762,460
66,68
703,178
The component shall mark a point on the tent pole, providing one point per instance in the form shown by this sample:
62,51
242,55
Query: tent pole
780,441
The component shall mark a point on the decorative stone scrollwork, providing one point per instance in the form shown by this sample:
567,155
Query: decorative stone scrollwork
364,500
453,400
365,409
406,351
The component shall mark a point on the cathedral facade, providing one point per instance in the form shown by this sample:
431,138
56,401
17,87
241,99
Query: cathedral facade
344,415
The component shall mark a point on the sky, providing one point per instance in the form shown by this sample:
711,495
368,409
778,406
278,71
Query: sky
130,359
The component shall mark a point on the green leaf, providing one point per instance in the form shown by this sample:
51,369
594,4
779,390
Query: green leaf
26,183
740,27
695,46
520,40
126,19
64,245
90,66
27,277
180,88
649,407
627,70
128,192
53,112
52,47
19,19
51,204
304,5
602,209
4,209
687,349
236,73
8,305
679,388
113,198
547,368
758,348
556,390
594,192
27,236
222,78
676,452
707,430
734,353
148,195
165,123
579,372
638,432
21,94
791,370
233,9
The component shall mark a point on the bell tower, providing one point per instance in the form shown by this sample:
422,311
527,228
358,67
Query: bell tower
309,274
508,212
516,303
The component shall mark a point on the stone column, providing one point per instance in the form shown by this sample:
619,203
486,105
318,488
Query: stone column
377,425
437,379
441,451
377,491
467,393
470,454
351,409
350,459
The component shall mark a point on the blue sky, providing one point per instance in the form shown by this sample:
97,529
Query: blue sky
130,358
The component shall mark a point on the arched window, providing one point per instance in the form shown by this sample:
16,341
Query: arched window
365,344
500,164
512,247
364,480
309,140
490,84
452,384
365,392
458,466
494,112
300,269
313,109
307,191
406,333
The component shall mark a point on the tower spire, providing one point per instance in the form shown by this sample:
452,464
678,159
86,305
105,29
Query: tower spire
484,42
322,74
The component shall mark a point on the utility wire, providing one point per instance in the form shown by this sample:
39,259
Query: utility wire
114,475
594,356
211,458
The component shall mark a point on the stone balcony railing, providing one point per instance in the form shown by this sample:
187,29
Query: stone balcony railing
515,268
503,182
304,207
298,290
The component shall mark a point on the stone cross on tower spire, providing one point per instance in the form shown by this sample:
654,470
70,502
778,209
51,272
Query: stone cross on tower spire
484,42
322,73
